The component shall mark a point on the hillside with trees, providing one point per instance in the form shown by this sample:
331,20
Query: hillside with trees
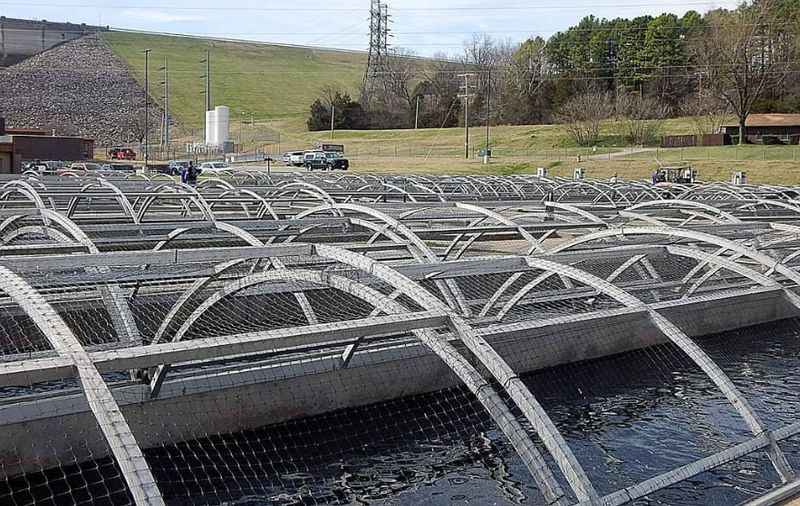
641,70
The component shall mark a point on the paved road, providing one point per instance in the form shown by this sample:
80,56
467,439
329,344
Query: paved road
620,154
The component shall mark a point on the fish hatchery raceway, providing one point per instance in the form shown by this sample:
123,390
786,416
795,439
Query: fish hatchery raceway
58,90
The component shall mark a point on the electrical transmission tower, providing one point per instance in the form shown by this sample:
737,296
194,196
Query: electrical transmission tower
378,50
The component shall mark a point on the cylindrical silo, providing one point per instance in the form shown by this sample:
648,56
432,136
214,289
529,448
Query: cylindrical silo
211,125
223,124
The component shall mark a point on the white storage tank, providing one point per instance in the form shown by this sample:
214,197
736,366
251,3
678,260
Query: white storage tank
223,114
211,125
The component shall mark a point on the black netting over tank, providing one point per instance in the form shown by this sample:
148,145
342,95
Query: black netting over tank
343,338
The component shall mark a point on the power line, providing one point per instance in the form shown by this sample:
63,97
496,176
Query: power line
454,71
450,9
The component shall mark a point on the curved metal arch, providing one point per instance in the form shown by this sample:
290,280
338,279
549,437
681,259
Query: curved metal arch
414,177
248,238
48,215
449,355
116,304
679,338
264,207
602,190
791,205
50,232
224,194
131,177
214,181
642,217
314,189
770,264
723,263
686,203
425,189
454,298
494,363
25,189
450,285
104,407
71,173
699,214
119,196
186,296
181,189
721,189
534,243
644,188
161,177
576,210
473,237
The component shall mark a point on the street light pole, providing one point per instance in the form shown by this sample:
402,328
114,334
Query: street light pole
146,106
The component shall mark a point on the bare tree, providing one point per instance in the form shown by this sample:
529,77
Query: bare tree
744,53
327,94
640,119
708,112
583,114
401,71
135,126
525,73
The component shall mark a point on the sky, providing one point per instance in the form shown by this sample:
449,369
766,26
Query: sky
426,27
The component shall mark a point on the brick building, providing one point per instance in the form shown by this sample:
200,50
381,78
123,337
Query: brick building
18,146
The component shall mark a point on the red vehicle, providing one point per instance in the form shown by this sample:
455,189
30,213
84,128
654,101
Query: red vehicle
122,154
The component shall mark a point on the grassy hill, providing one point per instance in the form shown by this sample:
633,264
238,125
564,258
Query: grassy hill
268,81
521,149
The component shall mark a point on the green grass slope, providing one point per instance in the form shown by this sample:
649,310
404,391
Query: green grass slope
267,81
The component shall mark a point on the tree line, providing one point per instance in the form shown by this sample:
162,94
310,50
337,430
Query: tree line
641,70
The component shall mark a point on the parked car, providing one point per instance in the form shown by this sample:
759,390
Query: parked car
121,154
175,166
321,160
211,167
294,158
48,167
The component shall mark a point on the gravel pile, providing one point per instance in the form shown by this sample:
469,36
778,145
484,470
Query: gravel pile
77,88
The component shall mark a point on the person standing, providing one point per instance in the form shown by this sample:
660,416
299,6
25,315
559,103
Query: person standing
191,174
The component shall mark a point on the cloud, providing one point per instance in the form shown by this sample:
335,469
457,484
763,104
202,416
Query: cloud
160,16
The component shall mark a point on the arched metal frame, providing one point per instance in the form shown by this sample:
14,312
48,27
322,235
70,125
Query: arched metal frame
115,429
727,256
485,394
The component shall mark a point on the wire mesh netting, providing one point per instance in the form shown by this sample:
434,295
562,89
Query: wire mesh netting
339,339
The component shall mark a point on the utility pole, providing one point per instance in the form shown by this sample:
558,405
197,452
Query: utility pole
206,92
466,96
146,106
416,116
486,155
165,68
333,117
241,129
208,80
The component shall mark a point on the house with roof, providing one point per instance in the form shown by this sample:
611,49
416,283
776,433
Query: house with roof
767,129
